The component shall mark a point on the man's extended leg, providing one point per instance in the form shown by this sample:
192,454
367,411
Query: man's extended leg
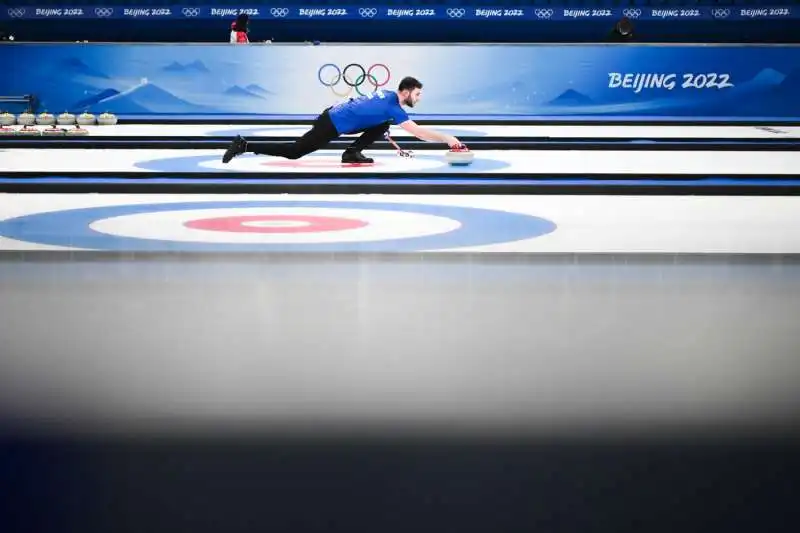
353,152
321,133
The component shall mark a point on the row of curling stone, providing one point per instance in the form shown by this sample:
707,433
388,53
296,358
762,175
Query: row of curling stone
32,131
64,119
459,156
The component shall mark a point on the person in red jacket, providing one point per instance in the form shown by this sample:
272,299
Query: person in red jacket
239,29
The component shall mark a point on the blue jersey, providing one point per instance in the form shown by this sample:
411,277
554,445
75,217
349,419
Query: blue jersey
367,111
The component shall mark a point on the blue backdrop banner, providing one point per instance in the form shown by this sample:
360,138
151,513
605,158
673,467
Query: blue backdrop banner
548,81
370,12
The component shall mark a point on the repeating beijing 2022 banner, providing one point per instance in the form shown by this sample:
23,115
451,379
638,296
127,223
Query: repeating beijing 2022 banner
548,81
554,11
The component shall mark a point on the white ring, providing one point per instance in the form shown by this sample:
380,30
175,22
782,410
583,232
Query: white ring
381,225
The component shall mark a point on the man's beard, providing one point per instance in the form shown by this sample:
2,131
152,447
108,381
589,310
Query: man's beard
408,102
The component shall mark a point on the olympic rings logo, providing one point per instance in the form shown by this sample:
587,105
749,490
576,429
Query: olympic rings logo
367,12
279,12
191,12
632,13
354,76
16,12
720,13
456,12
543,13
104,12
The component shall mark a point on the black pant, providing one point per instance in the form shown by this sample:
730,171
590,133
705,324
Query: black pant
321,133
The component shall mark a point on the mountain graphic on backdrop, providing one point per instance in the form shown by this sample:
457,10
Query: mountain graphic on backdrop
143,98
257,89
768,76
242,92
92,100
55,95
757,95
155,100
194,66
74,66
571,97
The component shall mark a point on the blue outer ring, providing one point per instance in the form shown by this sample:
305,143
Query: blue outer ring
192,164
70,228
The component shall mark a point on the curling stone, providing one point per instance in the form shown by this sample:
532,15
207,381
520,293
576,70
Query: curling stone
459,156
7,119
107,119
77,130
45,119
28,130
65,119
86,119
26,119
53,130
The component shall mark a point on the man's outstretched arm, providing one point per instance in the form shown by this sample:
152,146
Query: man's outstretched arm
427,134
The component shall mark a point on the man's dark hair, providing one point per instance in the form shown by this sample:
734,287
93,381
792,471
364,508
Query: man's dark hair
408,83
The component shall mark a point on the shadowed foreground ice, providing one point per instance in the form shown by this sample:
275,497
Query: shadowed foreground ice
326,344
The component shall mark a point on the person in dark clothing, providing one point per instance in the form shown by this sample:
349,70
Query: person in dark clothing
239,29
